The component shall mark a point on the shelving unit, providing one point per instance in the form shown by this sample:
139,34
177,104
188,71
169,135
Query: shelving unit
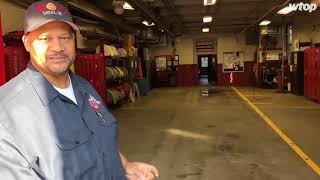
117,80
93,67
272,65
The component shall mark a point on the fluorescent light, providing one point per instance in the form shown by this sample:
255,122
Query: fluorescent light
147,24
264,23
162,30
207,19
285,10
209,2
205,29
127,6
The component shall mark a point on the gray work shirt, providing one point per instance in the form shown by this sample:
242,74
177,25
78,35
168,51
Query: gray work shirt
44,135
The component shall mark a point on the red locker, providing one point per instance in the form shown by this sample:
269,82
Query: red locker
317,74
99,75
92,68
307,72
16,60
314,78
312,73
2,65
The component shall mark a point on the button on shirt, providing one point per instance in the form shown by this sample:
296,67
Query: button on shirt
45,135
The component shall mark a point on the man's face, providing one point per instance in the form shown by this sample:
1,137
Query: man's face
51,47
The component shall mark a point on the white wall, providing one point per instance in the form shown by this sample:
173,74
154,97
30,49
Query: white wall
184,48
11,16
225,43
233,43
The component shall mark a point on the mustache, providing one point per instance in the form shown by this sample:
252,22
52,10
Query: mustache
57,55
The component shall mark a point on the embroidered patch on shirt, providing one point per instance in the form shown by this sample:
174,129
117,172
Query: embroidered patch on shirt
95,104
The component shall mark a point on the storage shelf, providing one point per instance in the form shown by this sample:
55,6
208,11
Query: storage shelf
276,49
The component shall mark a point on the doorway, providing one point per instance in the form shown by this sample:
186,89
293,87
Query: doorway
207,69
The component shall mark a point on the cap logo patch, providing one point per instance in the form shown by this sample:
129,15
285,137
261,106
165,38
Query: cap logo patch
51,6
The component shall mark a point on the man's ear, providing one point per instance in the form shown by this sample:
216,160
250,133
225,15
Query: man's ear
26,42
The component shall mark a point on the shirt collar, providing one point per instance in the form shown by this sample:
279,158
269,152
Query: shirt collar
44,88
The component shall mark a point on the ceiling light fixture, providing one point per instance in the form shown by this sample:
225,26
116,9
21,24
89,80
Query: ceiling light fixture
264,23
209,2
127,6
285,10
205,29
147,24
207,19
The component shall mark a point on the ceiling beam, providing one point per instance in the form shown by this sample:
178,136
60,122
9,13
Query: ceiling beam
94,11
139,5
271,11
172,8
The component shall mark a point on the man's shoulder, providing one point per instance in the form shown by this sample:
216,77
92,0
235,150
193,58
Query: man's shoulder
13,88
86,84
81,80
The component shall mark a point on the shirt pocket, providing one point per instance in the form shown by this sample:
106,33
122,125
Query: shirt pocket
71,141
78,154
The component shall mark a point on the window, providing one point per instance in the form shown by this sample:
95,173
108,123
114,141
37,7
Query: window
204,62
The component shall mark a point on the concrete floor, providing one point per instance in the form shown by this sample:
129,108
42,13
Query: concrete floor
191,137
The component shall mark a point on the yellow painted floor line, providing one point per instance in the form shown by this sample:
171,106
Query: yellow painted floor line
293,146
262,103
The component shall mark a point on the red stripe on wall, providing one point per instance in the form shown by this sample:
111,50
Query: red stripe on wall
187,75
245,78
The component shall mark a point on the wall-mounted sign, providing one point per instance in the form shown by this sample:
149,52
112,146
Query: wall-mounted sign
233,62
204,46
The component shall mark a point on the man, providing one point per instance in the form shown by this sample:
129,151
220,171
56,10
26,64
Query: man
53,124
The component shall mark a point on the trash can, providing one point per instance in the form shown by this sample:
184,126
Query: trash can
143,86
